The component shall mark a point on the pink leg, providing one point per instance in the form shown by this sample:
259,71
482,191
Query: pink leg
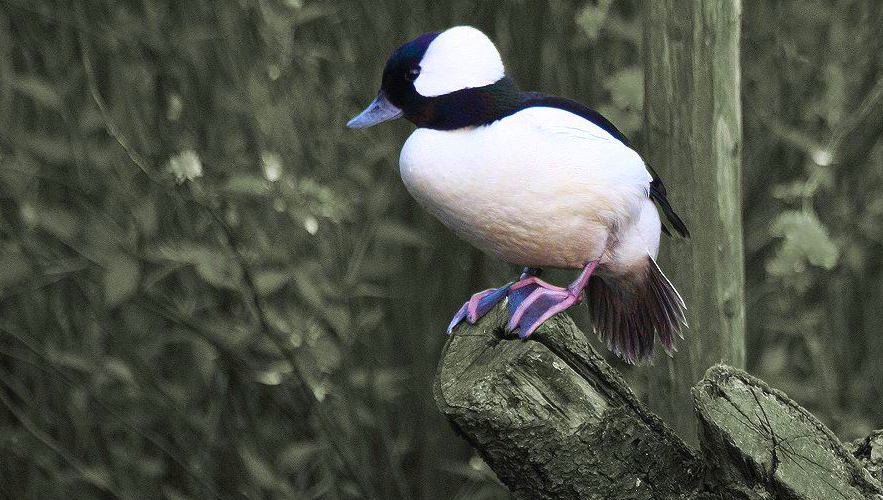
533,301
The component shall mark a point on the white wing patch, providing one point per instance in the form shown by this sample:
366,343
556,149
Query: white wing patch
577,133
604,154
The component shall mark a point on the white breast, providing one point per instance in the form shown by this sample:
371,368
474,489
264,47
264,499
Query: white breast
542,187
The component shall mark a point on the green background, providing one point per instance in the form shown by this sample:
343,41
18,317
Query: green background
209,287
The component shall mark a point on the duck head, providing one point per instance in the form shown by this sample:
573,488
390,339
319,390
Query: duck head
442,80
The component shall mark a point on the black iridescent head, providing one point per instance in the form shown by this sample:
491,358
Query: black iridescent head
403,69
446,80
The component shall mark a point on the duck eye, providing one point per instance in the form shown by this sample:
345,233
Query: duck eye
412,74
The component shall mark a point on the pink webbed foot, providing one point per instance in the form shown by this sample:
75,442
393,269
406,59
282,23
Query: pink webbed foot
478,305
533,301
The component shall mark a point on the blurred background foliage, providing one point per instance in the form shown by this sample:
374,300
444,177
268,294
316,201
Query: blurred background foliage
210,288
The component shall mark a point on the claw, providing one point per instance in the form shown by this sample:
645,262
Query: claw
478,305
460,316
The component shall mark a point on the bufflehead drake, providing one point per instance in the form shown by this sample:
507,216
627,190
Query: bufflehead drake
535,180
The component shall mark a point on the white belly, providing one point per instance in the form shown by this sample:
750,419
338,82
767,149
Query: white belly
542,187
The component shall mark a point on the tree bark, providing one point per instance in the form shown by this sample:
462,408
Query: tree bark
693,127
869,452
553,420
755,435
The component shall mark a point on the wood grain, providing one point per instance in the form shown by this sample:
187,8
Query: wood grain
693,126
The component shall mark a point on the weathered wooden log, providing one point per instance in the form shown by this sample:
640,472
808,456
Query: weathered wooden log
869,452
554,420
755,435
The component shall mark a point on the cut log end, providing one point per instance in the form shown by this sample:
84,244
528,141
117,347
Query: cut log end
752,434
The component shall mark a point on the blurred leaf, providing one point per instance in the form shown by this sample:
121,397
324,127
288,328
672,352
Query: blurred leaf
103,240
173,494
338,317
279,318
268,281
218,270
394,232
145,214
229,335
14,266
327,354
389,383
18,173
53,149
321,200
819,178
70,360
275,373
306,284
311,225
271,163
122,276
351,489
185,166
805,240
473,470
204,357
591,18
259,470
214,266
96,475
40,91
835,96
369,319
120,370
313,12
299,455
370,290
626,87
774,359
248,185
626,120
58,221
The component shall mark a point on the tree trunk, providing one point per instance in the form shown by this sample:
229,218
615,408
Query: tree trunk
553,420
693,127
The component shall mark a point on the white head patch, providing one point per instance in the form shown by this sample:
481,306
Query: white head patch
459,58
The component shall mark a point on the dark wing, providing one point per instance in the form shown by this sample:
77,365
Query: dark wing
657,188
658,194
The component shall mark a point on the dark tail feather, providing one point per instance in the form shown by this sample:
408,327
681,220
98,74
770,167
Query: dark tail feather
628,316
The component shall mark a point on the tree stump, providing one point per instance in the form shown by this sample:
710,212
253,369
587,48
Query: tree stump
753,434
554,420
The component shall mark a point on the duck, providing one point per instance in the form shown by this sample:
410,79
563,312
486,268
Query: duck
536,180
